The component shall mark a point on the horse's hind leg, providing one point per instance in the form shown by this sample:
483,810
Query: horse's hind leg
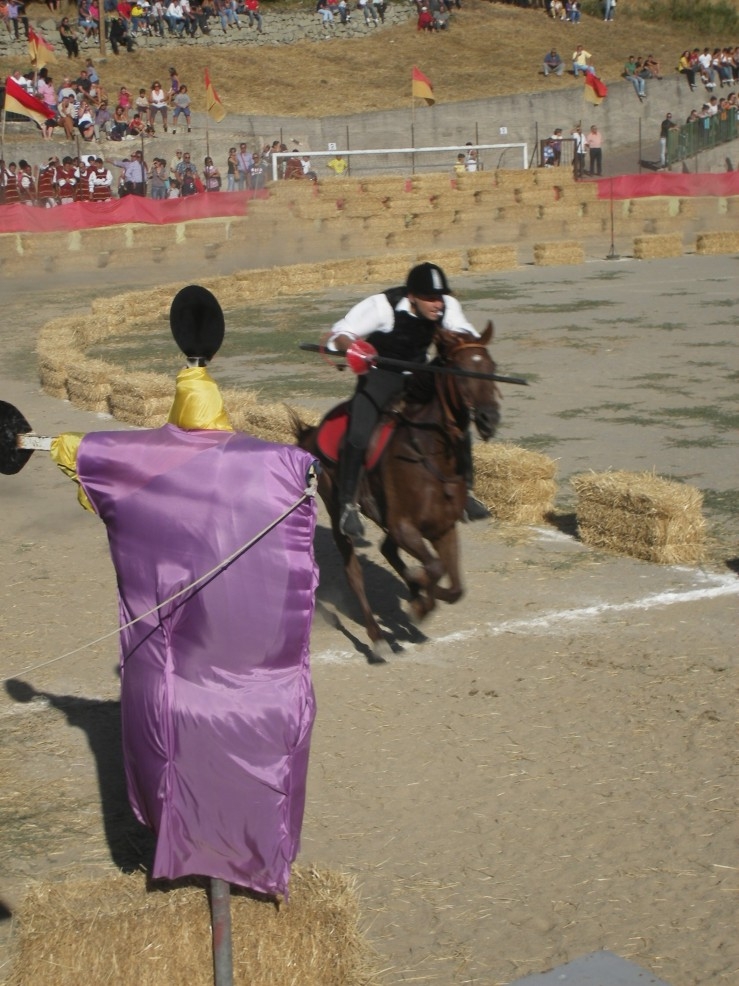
353,571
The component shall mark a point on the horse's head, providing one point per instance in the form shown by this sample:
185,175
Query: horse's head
481,398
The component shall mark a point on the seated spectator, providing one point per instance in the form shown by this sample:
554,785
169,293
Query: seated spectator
653,67
632,74
136,127
685,67
255,17
103,119
118,129
580,61
573,11
707,70
141,103
557,10
85,121
425,20
553,63
324,10
118,34
67,115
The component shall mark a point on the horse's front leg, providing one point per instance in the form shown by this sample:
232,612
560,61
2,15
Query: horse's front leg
404,535
447,547
389,550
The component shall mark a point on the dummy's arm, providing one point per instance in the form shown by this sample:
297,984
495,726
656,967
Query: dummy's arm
64,452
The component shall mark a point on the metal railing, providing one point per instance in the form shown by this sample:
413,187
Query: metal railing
701,135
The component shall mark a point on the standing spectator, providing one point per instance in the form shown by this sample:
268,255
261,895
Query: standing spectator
380,7
257,174
471,160
211,176
665,127
158,179
368,10
252,10
26,184
181,108
69,38
134,174
556,140
595,147
67,115
141,103
578,155
580,61
244,160
11,21
553,63
66,181
609,10
101,181
157,104
338,165
232,168
459,168
573,11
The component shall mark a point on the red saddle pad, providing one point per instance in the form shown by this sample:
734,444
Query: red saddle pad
332,430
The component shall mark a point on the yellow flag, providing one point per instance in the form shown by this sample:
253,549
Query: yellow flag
212,103
40,51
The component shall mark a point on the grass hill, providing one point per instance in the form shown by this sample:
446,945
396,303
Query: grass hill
491,49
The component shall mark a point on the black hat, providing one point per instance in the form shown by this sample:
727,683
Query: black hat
197,323
12,424
427,280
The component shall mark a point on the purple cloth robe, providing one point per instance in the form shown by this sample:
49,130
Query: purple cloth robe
216,696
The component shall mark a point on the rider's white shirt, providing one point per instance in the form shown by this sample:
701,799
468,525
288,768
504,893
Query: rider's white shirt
376,314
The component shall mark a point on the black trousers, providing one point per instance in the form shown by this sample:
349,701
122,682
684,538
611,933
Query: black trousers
374,392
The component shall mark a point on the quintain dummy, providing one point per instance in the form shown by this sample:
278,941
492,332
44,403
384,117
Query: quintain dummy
216,698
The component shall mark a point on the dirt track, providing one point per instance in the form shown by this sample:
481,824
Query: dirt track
549,772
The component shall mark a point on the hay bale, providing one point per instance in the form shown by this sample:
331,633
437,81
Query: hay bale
718,242
392,268
517,486
649,207
141,399
116,931
641,515
451,261
270,422
515,178
502,257
558,252
658,245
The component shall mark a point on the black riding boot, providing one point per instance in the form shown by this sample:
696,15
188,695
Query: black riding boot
350,472
474,509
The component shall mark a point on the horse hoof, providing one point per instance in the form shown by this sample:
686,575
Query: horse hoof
420,609
380,651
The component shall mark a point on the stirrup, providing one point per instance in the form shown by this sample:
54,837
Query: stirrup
351,523
474,509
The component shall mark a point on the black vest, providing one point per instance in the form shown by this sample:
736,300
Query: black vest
410,336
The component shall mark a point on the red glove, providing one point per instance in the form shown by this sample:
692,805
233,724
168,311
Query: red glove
360,356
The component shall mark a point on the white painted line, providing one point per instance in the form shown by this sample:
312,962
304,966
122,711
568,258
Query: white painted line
562,620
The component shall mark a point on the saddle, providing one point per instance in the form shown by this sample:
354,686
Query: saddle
331,432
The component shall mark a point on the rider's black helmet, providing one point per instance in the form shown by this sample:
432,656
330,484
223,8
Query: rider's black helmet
426,281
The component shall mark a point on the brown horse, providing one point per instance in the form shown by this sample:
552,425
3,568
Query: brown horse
417,491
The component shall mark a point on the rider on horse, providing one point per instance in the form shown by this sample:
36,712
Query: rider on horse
400,323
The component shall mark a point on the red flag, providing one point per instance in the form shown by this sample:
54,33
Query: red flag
212,103
595,90
17,100
421,87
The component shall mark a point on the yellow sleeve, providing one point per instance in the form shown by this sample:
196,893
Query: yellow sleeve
64,452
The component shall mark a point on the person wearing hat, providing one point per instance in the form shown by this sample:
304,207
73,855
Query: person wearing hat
400,323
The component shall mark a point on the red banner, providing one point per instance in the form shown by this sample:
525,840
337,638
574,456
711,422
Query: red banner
666,183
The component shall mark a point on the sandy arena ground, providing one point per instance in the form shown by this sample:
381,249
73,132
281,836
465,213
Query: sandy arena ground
551,771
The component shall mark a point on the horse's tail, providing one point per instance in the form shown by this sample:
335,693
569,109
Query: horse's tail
302,432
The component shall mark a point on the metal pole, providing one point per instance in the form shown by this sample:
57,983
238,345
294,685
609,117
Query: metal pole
640,150
220,910
348,160
612,255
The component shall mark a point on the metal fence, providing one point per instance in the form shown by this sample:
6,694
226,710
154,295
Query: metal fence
701,135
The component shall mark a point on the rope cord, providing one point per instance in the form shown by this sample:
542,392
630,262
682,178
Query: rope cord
308,494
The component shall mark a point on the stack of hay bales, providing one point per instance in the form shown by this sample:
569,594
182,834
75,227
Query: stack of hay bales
641,515
388,268
141,399
516,485
658,245
719,242
90,384
558,252
116,931
270,422
488,258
